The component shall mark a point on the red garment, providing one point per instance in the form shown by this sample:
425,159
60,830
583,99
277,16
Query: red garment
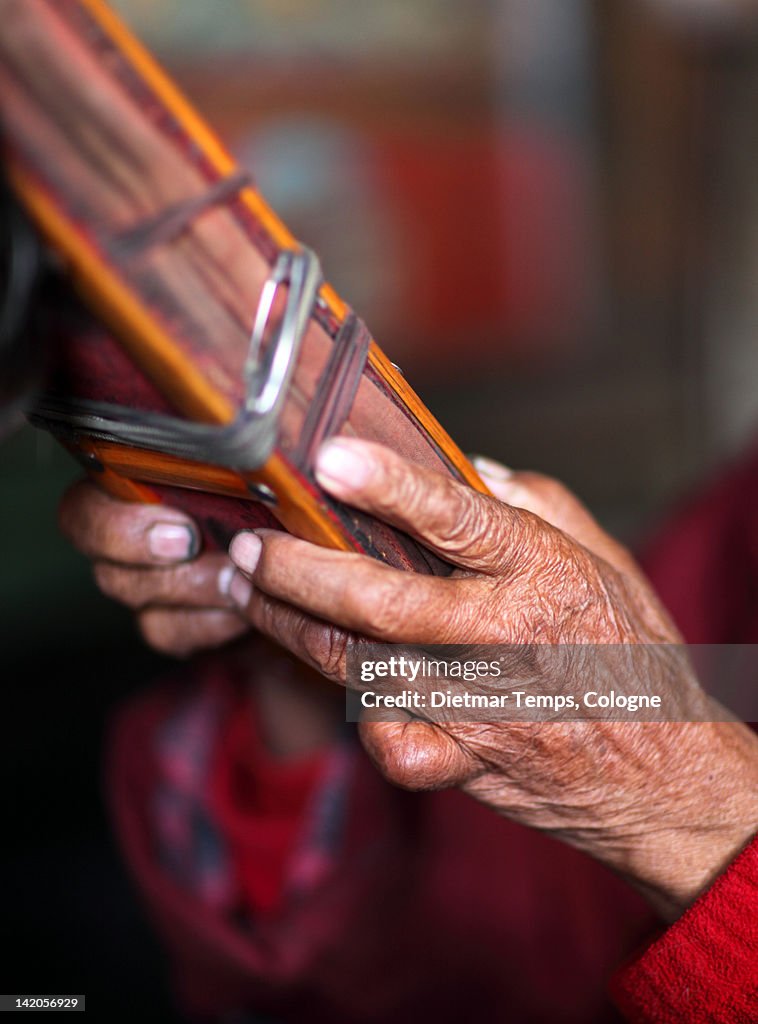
259,802
704,560
434,909
705,967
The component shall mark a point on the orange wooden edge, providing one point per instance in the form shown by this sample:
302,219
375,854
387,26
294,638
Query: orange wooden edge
127,470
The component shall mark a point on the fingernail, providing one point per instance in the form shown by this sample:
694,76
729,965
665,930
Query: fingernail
225,578
172,542
488,467
245,550
240,590
339,463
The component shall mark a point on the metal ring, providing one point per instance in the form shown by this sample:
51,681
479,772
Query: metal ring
247,442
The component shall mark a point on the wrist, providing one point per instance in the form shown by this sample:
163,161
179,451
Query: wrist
709,813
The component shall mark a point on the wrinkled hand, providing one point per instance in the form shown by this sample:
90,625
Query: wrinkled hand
666,804
147,557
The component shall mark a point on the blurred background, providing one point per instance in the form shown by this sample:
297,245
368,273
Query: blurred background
546,210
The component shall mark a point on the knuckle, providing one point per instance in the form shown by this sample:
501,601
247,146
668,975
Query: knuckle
396,767
388,754
406,758
404,769
530,547
472,525
404,489
326,647
464,521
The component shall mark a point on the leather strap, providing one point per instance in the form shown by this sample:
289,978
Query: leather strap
335,391
172,222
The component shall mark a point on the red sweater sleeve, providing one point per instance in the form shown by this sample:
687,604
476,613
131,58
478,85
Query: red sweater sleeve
705,967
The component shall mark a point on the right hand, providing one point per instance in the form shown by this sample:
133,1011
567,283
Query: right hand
148,557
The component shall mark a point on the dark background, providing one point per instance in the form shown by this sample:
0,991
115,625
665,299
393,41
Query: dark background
70,920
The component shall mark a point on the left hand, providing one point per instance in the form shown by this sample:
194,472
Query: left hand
665,806
148,557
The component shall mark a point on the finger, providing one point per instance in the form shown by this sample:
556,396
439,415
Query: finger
317,643
552,501
357,592
202,583
119,531
471,530
180,632
417,755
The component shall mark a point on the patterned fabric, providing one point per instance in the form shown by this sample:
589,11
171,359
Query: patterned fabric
189,846
190,842
324,824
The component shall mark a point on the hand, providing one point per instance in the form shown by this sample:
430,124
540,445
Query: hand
147,557
666,804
